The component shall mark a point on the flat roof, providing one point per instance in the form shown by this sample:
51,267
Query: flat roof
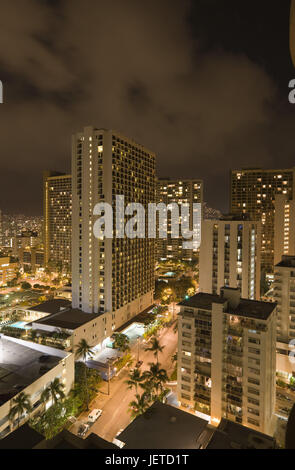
20,365
202,300
231,435
69,319
246,308
163,427
286,262
23,438
51,306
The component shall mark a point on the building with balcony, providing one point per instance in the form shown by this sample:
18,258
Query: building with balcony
230,255
57,213
284,295
253,192
284,228
179,191
227,358
111,277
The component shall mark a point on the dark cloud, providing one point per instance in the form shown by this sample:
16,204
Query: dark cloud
167,72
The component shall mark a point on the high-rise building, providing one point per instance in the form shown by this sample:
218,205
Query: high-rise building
179,191
115,275
227,358
284,295
230,256
253,191
284,227
57,211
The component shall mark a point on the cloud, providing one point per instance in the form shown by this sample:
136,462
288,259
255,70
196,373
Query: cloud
135,67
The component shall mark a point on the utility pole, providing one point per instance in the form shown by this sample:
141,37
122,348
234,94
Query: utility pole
138,349
109,377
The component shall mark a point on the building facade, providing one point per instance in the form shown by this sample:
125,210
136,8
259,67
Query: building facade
253,192
113,277
57,211
227,359
8,270
179,191
284,228
284,295
230,256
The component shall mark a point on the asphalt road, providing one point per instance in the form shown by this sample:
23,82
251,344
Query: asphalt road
115,414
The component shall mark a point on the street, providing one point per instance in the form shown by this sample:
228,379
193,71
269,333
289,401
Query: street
116,415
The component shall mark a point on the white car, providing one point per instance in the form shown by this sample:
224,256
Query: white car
94,415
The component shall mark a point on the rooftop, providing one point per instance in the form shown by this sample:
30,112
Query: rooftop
245,307
163,427
27,438
231,435
68,319
286,262
52,306
20,365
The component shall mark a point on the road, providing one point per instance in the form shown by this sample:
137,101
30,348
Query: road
115,407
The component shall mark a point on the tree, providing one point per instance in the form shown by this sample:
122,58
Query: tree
155,347
45,396
26,285
21,405
139,405
121,342
56,390
156,376
135,378
82,351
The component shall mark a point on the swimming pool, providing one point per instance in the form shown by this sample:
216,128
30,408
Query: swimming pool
20,324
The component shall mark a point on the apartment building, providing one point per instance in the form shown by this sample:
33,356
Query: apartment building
230,255
57,212
253,191
284,227
179,191
227,359
113,277
284,295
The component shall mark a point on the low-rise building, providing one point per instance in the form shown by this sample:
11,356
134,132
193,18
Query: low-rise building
79,325
29,368
8,270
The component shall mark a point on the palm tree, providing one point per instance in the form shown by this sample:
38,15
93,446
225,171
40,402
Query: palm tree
139,405
134,379
82,351
45,395
56,390
22,404
155,347
157,376
53,391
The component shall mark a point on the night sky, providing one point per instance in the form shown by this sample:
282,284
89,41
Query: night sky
203,83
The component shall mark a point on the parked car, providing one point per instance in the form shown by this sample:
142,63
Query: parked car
138,364
83,430
94,415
